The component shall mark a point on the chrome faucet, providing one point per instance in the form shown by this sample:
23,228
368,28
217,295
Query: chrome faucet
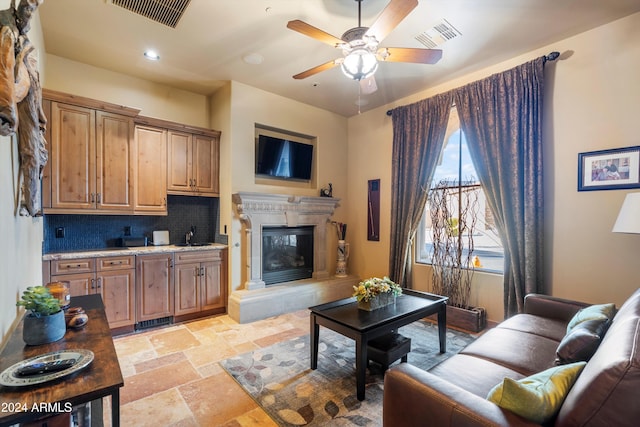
189,235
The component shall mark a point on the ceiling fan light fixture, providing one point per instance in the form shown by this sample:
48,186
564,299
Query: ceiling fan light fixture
359,64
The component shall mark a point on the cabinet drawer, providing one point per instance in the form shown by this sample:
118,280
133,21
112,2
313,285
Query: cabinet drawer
116,263
197,256
66,266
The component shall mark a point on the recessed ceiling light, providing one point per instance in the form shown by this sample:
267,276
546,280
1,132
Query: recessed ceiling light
253,58
151,55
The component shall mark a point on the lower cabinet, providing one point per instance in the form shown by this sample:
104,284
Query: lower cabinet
146,288
154,286
200,281
111,277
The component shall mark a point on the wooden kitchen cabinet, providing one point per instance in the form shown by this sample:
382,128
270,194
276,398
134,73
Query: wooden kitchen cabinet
90,155
200,282
193,164
150,170
154,286
111,277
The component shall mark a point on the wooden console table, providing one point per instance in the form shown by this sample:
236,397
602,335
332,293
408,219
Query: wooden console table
101,378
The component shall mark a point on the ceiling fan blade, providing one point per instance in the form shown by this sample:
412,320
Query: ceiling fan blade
315,70
390,17
405,54
313,32
368,85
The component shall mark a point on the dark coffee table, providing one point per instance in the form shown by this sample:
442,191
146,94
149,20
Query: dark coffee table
344,317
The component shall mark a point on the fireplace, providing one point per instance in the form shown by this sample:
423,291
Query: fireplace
294,230
287,254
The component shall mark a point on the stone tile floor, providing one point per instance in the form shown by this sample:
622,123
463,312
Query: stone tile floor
172,376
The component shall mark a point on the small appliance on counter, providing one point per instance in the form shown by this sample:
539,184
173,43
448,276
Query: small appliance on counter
160,237
133,242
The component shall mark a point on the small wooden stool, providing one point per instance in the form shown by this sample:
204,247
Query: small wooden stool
389,348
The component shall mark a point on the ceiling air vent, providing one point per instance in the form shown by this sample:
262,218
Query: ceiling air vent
167,12
440,33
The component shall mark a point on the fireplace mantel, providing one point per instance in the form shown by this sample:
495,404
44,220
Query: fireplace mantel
257,210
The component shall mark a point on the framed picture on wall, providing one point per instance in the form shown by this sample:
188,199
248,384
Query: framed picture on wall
614,169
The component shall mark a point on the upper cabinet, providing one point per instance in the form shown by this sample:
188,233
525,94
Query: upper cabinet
150,170
193,164
107,159
90,159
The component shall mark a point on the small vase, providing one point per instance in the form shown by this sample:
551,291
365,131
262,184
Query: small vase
43,329
379,301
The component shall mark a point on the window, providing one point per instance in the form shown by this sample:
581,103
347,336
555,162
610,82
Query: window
455,188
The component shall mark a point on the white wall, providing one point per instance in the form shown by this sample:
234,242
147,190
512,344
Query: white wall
591,104
21,243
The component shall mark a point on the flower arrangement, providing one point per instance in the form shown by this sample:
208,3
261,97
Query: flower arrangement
374,286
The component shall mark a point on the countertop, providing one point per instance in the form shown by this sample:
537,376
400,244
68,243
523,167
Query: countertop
140,250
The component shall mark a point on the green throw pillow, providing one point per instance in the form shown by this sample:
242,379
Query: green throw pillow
593,312
539,397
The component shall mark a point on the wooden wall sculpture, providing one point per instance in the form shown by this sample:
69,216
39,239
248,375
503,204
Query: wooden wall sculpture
21,101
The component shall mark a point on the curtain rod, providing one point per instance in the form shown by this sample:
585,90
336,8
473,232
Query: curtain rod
550,57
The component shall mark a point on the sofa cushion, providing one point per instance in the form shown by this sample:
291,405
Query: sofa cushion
583,340
554,329
537,397
473,374
519,351
593,312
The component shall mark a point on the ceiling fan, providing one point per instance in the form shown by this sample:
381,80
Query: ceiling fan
359,45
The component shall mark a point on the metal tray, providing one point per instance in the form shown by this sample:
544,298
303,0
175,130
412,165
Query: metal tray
9,378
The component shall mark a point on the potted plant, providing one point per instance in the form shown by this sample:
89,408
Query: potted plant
453,212
44,322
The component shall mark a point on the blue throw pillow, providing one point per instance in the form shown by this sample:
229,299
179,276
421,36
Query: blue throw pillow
593,312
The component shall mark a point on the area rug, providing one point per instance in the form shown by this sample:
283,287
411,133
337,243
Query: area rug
280,381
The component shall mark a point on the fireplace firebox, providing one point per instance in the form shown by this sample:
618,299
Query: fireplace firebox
287,254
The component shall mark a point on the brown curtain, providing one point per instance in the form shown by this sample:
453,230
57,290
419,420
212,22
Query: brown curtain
418,136
501,117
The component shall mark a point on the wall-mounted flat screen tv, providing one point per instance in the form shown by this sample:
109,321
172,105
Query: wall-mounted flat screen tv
284,159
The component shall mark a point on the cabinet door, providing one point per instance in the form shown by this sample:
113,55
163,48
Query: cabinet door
117,290
212,284
113,164
206,164
73,157
179,169
154,287
79,283
150,170
187,288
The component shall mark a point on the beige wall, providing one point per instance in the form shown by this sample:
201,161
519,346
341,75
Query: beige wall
591,104
155,100
250,106
21,243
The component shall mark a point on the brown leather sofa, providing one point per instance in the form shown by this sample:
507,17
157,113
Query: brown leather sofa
454,392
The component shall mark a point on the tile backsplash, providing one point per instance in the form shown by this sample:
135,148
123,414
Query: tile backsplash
83,232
